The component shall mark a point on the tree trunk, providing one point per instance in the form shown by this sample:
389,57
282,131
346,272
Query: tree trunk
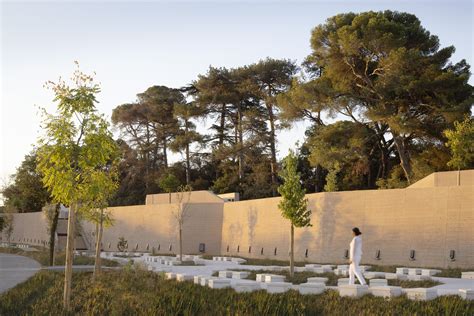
222,126
273,162
292,252
52,234
188,163
241,144
459,177
100,229
181,242
69,257
165,153
404,155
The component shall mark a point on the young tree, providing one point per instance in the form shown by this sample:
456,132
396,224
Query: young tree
169,183
73,153
183,195
52,215
293,204
461,143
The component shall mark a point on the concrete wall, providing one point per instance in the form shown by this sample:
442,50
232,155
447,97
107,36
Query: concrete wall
431,221
28,228
195,197
432,218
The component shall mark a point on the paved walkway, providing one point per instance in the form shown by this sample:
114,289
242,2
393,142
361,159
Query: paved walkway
15,269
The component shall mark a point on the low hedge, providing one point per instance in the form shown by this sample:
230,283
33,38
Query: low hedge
137,292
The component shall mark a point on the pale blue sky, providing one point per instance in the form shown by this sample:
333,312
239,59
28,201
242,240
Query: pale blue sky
132,46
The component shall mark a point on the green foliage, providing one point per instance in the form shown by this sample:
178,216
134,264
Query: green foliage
331,179
461,143
26,192
293,205
77,154
169,183
137,292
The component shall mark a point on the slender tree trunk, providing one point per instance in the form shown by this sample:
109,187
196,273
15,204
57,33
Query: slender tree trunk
404,155
181,242
69,257
241,144
100,229
292,252
52,234
459,177
222,126
165,153
188,162
273,162
169,196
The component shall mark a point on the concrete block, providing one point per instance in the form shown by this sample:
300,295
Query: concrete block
386,291
274,278
278,287
418,277
343,281
374,275
300,269
238,260
240,274
260,277
414,271
200,262
312,265
170,275
243,287
311,288
328,267
402,271
353,290
317,280
467,294
390,276
429,272
225,274
197,257
181,277
197,279
378,282
218,283
205,280
365,268
421,294
341,272
318,270
467,275
343,266
402,277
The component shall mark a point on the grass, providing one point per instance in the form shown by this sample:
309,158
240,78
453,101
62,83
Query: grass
445,273
42,256
138,292
408,284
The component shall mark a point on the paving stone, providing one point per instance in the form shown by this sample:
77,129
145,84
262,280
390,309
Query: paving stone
421,294
353,290
386,291
278,287
311,288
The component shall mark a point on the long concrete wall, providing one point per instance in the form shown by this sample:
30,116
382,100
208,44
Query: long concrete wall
432,219
28,228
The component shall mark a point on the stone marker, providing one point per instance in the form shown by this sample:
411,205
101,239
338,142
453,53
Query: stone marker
390,276
311,288
353,290
243,287
197,279
429,272
260,277
467,294
418,277
343,266
274,278
218,283
317,280
170,275
341,272
238,260
181,277
421,294
225,274
240,274
467,275
300,269
402,271
342,281
278,287
414,271
378,282
374,275
386,291
312,265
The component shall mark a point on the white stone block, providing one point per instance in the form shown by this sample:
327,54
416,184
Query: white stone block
317,280
414,271
311,288
378,282
243,287
467,294
225,274
342,281
278,287
418,278
215,259
197,257
386,291
205,280
274,278
218,283
150,268
312,265
429,272
197,279
200,262
390,276
300,269
467,275
421,294
318,270
402,271
238,260
402,277
343,266
374,275
353,290
181,277
260,277
341,272
365,268
240,274
170,275
328,266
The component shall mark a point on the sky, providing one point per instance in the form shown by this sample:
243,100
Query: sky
134,45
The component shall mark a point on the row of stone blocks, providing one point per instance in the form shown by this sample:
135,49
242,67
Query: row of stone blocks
417,271
229,259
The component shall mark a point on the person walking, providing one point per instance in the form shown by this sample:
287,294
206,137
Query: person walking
355,257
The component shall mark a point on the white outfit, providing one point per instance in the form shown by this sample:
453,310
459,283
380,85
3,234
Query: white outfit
355,256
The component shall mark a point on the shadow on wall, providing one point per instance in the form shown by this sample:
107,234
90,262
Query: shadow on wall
252,218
